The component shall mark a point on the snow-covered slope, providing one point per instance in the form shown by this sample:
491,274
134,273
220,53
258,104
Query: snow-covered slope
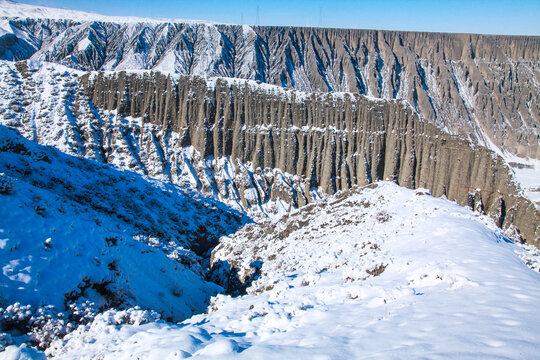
380,272
73,228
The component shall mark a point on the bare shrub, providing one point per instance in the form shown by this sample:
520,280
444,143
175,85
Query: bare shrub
383,217
377,270
6,184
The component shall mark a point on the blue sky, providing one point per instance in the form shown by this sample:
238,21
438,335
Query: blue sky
491,17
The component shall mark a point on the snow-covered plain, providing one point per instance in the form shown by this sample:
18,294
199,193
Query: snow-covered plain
379,272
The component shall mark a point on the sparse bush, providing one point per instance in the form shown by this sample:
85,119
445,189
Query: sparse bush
40,209
45,325
6,184
5,340
111,241
82,312
377,270
113,266
383,217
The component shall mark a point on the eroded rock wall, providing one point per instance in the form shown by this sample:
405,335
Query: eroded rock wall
329,141
482,87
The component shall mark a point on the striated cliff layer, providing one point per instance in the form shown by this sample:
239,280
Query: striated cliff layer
257,147
483,88
328,141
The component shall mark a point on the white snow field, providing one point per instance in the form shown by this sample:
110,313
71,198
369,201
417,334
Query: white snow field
379,272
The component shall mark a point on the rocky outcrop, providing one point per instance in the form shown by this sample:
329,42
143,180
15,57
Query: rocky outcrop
328,141
484,88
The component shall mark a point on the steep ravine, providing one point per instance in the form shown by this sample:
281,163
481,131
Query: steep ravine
331,141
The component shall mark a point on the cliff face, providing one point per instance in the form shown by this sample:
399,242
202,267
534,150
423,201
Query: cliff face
326,141
483,88
258,146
